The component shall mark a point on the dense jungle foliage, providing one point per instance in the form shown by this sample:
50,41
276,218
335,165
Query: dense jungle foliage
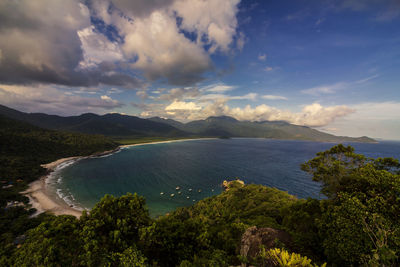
356,225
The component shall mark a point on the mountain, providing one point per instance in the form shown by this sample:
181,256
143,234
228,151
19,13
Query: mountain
117,125
230,127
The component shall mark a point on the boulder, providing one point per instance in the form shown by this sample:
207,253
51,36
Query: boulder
228,184
254,238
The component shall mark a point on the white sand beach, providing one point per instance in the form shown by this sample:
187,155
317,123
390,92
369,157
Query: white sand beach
42,200
167,141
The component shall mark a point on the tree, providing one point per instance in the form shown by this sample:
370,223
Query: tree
54,242
332,167
112,227
359,189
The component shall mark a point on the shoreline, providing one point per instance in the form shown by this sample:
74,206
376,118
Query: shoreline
43,200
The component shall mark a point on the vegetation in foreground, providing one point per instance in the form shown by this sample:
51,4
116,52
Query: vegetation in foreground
356,225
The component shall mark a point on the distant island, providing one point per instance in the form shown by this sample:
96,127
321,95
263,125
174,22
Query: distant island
124,128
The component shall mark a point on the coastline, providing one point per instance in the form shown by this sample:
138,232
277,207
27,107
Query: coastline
43,200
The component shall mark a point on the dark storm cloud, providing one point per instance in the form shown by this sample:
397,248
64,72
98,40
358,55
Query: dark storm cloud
39,44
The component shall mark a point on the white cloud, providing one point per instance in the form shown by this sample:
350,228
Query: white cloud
313,115
53,100
249,96
51,41
324,89
155,43
213,19
162,51
214,97
268,68
180,105
273,97
241,41
262,57
218,88
114,91
374,119
180,93
333,88
142,94
97,48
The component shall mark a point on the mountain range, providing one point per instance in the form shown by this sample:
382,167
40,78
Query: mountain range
122,126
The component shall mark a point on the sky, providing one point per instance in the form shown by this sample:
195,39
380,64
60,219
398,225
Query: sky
331,65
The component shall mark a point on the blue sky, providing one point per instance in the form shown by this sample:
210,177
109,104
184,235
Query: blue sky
331,65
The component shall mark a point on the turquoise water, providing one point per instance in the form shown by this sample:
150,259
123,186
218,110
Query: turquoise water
200,165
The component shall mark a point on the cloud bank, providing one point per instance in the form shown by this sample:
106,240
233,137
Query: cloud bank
113,42
186,104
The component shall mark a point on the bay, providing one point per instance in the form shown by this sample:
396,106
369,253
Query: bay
193,170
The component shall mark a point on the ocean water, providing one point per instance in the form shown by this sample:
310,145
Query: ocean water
198,168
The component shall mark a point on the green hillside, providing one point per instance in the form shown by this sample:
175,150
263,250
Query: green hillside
115,125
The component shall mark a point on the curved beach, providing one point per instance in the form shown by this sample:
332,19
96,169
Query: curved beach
43,199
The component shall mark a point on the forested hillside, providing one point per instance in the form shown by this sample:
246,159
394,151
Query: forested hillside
23,148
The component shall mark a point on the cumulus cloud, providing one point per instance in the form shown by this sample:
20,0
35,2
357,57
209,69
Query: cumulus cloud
162,52
313,115
87,43
45,41
154,38
273,97
52,100
97,49
214,21
140,8
181,105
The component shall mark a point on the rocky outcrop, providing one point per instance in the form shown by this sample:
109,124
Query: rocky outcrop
228,184
254,238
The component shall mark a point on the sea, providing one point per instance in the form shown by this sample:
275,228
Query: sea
178,174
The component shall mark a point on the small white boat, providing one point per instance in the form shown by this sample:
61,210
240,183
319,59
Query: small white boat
179,192
187,197
212,190
172,195
199,190
190,189
177,188
194,200
162,193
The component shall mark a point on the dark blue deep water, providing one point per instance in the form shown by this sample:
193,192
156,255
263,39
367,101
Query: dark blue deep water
200,165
